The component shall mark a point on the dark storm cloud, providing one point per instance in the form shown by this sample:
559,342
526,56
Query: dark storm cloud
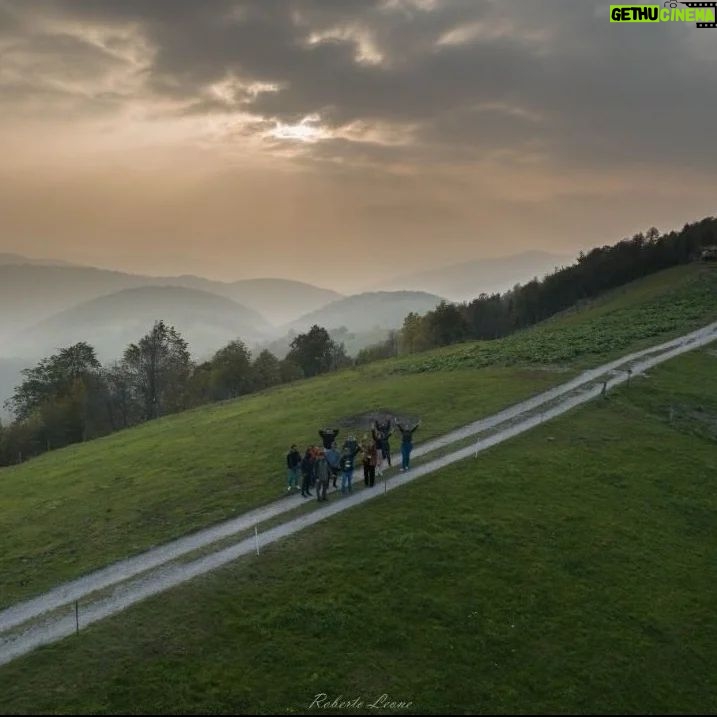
463,78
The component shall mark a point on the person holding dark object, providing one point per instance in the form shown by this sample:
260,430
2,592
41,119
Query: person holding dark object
307,470
406,444
293,466
328,436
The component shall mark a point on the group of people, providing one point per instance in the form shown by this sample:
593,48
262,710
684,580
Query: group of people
323,464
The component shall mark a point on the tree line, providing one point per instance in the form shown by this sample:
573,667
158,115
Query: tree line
71,397
497,315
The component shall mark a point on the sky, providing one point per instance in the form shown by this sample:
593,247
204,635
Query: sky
342,142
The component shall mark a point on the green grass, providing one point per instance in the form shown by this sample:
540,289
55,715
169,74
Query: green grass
70,511
65,513
635,316
569,570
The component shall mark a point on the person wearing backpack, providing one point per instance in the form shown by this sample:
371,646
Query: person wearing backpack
347,467
323,471
293,463
406,444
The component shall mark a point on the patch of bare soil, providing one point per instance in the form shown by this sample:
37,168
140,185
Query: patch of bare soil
366,420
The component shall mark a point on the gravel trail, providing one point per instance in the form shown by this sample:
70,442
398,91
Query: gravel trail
152,572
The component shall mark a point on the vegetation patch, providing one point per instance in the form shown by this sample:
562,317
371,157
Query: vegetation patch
568,339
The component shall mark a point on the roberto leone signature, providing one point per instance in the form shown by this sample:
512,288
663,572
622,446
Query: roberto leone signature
323,701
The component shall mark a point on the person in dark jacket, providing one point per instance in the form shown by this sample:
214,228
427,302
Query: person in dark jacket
406,444
351,443
293,467
307,470
323,472
347,467
385,430
315,450
328,436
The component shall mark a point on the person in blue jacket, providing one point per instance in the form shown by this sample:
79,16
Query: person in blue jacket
348,456
333,458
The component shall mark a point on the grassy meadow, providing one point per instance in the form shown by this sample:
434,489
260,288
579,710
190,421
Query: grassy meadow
568,570
79,508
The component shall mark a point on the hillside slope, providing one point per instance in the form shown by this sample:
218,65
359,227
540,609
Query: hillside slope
568,571
72,510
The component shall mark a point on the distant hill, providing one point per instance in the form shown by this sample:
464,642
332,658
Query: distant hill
9,258
30,293
111,322
278,300
467,280
353,341
369,311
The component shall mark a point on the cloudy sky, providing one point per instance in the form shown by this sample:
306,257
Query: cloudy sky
344,141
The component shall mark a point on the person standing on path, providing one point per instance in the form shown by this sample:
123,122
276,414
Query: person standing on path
323,471
370,455
314,457
328,436
378,442
333,458
293,463
307,469
385,430
347,467
406,444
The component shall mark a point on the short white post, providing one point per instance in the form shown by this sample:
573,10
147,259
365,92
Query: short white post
256,539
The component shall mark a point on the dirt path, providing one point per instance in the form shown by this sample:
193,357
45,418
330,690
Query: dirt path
154,571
